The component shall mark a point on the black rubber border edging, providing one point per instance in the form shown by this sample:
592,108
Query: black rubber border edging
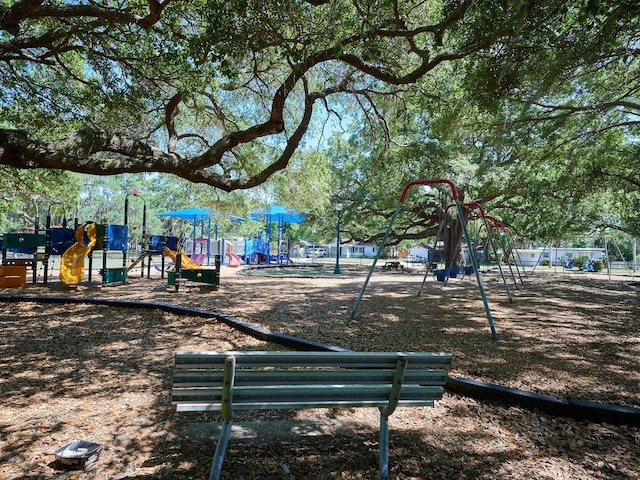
579,409
244,327
633,285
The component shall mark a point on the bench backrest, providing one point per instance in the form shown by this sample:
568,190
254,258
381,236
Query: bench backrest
275,380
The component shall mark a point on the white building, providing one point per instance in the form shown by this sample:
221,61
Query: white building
554,256
420,253
353,250
425,253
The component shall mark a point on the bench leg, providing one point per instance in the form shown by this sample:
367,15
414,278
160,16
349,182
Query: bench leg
383,456
221,449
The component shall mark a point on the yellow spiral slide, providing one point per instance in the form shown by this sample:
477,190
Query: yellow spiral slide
72,260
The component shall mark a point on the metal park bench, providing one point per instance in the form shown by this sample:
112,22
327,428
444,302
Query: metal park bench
269,380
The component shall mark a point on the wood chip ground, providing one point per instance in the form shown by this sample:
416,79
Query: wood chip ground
103,374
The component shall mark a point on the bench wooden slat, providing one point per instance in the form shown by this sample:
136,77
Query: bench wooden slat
185,378
314,359
216,407
309,394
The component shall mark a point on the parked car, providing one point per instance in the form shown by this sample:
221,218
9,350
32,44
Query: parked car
317,252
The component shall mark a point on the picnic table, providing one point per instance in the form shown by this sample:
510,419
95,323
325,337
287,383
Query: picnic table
393,266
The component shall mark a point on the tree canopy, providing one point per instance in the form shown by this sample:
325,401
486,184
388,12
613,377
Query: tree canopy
529,104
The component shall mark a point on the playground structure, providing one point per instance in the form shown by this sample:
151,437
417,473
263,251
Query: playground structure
199,245
258,250
192,267
30,246
106,238
117,238
186,270
73,245
554,259
148,247
461,219
565,257
159,245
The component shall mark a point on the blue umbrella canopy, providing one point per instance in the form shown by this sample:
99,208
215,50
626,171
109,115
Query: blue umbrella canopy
193,214
279,214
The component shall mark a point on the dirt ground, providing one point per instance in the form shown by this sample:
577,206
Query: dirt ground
103,374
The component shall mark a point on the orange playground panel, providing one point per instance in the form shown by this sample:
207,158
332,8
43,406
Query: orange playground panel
13,276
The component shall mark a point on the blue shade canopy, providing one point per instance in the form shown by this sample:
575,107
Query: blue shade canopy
278,214
193,214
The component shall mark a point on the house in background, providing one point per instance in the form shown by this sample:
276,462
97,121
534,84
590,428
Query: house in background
353,250
426,253
530,257
420,253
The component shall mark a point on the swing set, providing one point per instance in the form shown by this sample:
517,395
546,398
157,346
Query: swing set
449,270
507,245
611,239
461,219
610,244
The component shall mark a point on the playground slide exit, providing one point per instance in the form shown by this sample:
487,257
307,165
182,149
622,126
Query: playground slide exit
185,262
234,260
72,260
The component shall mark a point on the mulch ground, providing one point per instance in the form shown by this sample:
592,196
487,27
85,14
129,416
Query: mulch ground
79,371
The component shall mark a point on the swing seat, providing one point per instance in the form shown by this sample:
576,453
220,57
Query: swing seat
455,272
588,267
442,275
159,267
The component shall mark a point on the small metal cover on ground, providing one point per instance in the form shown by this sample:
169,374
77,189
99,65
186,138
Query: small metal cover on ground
78,453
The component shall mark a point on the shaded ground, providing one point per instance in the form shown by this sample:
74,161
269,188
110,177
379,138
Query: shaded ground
104,374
